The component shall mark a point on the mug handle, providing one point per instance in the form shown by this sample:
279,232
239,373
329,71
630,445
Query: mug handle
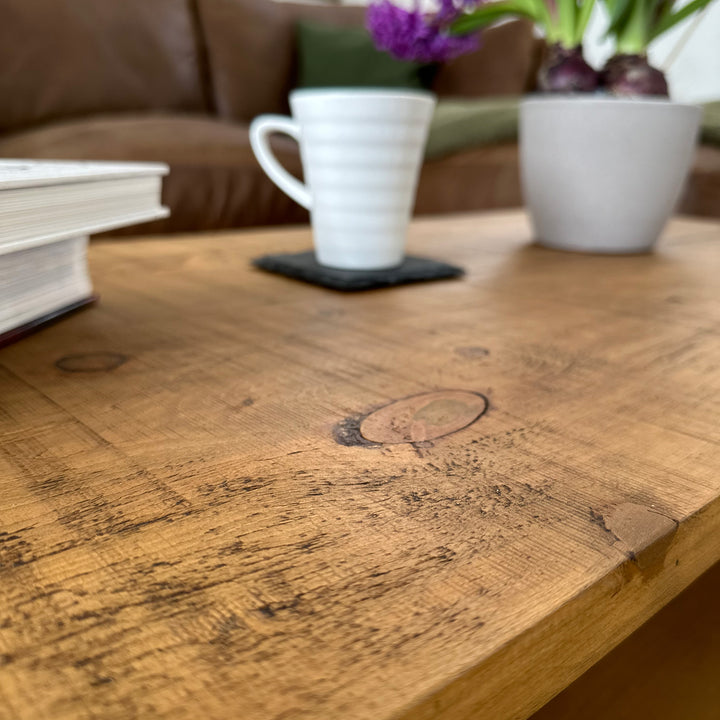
260,130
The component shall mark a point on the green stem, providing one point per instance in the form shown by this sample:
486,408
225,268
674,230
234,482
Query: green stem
566,10
488,14
583,20
492,12
633,39
669,20
544,19
565,25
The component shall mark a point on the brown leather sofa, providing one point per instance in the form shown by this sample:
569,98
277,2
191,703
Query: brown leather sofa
179,80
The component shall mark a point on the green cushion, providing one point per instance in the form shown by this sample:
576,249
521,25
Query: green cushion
347,57
711,124
462,124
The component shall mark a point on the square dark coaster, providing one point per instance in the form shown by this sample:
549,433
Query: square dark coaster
304,266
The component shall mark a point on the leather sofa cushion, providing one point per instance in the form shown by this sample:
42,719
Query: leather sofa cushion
481,178
506,64
347,57
214,181
462,124
252,50
64,58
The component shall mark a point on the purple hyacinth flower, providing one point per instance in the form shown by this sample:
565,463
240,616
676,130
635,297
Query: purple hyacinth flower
415,36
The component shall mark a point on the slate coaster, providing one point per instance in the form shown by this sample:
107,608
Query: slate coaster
304,266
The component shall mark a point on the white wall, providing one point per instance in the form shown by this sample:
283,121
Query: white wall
694,74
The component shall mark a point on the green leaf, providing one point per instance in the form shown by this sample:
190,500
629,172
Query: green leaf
670,20
619,15
631,36
663,11
583,20
490,13
542,12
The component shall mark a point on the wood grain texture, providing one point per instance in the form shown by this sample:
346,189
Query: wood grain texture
193,525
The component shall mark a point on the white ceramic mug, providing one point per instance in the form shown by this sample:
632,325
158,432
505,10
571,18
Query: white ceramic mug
361,152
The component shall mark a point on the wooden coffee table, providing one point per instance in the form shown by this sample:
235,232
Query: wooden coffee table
196,525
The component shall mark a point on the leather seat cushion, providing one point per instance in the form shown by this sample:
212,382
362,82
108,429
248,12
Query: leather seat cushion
481,178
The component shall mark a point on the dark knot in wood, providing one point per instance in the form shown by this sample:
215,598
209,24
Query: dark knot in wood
91,362
347,432
415,419
472,352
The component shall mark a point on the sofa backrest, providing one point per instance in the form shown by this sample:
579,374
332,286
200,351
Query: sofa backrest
251,50
72,58
65,58
252,55
506,64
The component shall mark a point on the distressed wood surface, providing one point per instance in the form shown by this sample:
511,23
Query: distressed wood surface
193,524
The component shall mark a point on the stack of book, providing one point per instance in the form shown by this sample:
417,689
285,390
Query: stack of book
47,211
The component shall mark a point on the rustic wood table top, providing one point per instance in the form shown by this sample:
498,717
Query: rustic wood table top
225,494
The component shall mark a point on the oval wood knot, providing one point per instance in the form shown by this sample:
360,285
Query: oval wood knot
423,417
91,362
472,352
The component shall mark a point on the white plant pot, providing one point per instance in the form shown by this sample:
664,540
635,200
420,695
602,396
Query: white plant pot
604,174
361,153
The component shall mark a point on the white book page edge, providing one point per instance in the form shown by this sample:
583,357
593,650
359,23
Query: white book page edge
19,173
110,224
